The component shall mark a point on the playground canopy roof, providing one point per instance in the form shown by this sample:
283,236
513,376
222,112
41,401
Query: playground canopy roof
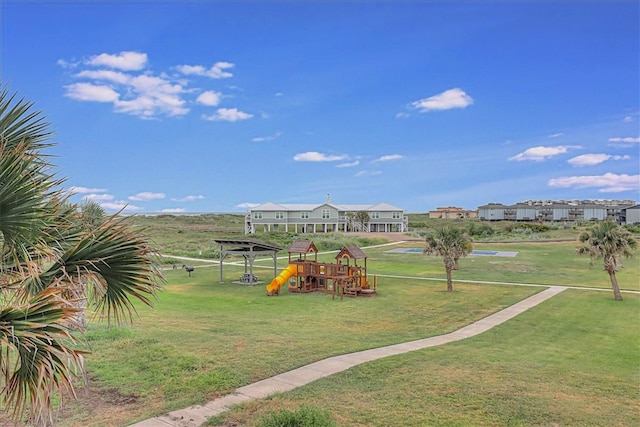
302,247
351,251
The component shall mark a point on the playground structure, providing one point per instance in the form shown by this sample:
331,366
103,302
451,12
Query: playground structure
344,278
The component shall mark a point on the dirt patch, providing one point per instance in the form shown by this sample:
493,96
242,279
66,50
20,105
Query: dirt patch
110,404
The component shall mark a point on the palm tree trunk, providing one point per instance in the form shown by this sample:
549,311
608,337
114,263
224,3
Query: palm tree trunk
449,281
614,284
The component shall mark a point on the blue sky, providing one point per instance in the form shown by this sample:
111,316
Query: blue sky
216,106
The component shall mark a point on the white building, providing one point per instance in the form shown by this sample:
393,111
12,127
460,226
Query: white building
324,218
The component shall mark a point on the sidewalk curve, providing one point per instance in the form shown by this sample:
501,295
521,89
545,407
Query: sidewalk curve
194,416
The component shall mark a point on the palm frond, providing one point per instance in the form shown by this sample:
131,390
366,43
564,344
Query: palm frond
36,336
115,262
19,124
51,263
607,241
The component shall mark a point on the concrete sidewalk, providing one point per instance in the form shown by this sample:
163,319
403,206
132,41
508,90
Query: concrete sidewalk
196,415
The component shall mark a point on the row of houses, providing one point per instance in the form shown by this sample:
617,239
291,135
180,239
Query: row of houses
559,211
384,217
453,212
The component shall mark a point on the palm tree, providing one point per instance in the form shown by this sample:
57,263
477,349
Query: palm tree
451,244
49,261
92,214
363,219
610,242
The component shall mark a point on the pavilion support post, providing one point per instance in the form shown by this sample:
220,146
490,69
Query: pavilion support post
275,264
251,258
222,256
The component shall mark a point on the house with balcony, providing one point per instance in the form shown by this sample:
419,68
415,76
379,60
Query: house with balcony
549,211
326,218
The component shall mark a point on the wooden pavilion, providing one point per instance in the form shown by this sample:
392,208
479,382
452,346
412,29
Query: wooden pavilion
249,249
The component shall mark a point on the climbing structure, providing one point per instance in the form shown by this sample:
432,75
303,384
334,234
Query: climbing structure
344,277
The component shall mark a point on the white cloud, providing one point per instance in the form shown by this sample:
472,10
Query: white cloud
82,190
217,70
154,95
555,135
146,196
142,95
452,98
98,197
628,139
389,157
173,210
628,119
348,165
538,154
267,138
402,115
144,107
122,80
247,205
126,60
607,183
91,92
314,156
119,206
66,64
368,173
209,98
227,115
594,159
105,75
188,198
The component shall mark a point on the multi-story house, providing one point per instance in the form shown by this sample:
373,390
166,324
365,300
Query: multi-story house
324,218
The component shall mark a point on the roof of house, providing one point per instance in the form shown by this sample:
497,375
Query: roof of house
270,206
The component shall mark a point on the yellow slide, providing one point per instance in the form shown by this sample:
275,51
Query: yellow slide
282,278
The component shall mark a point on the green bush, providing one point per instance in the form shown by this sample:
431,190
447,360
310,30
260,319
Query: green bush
633,228
528,227
305,416
480,230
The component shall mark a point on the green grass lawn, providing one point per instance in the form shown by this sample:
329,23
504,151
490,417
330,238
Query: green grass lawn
204,339
542,263
571,361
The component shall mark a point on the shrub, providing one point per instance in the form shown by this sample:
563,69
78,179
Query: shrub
633,228
305,416
528,227
480,230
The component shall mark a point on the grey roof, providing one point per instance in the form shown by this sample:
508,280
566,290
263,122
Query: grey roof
248,244
270,206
